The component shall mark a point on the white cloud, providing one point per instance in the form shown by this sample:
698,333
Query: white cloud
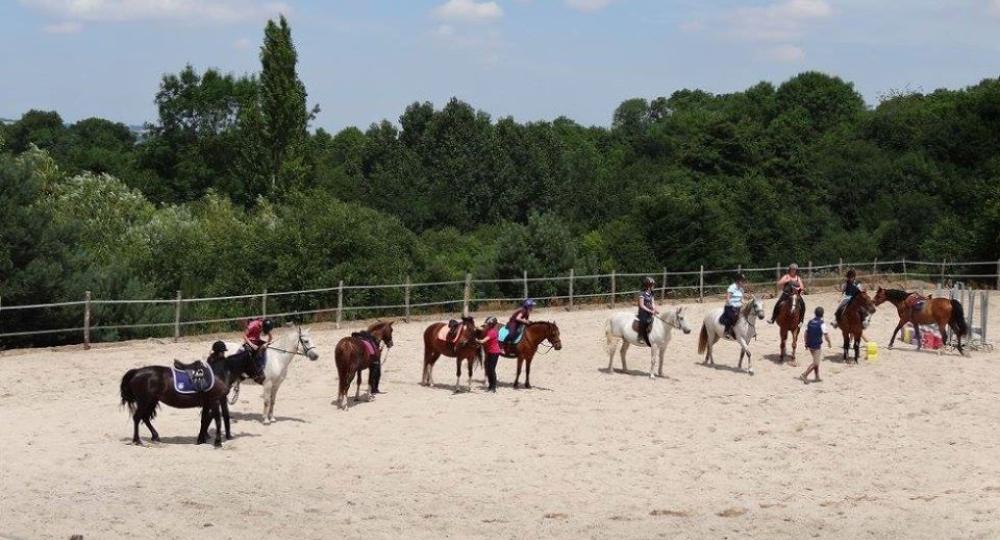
468,11
65,27
218,11
243,44
588,5
778,21
785,53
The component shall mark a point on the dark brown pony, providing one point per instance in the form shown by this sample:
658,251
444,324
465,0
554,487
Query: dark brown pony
853,320
789,321
143,389
463,347
534,334
231,369
352,358
944,312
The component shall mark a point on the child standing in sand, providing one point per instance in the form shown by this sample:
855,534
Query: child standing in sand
815,332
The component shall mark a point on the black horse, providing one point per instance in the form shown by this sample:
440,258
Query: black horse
232,369
143,389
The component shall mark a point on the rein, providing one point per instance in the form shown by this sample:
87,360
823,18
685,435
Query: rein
306,349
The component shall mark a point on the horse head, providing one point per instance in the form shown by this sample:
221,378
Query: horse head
880,296
305,341
756,305
676,319
382,331
552,334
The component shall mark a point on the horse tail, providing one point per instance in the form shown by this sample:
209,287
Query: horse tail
128,397
957,321
703,339
609,336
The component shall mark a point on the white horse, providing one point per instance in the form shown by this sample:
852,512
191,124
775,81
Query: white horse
619,327
744,330
280,354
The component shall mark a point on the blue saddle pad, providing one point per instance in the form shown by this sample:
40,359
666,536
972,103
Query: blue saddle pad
504,332
185,384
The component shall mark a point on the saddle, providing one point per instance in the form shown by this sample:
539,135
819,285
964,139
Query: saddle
192,378
915,301
637,325
368,341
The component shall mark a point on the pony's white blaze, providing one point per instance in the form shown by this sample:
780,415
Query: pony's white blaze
745,329
619,328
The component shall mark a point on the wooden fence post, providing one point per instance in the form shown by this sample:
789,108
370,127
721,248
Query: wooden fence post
663,287
777,271
943,261
525,284
701,284
86,320
840,266
466,294
809,277
340,303
906,281
875,268
571,276
612,289
406,297
998,274
177,318
263,305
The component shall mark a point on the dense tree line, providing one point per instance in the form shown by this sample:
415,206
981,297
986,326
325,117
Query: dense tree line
229,191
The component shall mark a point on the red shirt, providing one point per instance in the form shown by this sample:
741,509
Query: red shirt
254,328
492,341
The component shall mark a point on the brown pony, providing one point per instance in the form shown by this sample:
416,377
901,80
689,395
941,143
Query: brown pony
853,320
532,336
790,316
463,347
944,312
352,357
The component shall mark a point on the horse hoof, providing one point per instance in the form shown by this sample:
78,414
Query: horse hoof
266,422
652,377
217,444
750,372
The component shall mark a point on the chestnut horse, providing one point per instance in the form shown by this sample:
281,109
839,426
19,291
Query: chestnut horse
853,320
944,312
143,389
463,347
532,336
790,316
353,356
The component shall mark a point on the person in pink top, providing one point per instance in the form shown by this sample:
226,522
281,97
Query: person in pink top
491,344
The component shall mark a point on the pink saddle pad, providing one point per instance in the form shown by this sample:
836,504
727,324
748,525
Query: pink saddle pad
369,348
443,333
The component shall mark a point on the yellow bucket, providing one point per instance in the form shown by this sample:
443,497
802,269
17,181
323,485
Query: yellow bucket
907,334
872,350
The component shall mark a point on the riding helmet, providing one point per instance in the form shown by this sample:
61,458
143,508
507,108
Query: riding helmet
528,303
490,321
740,277
648,282
851,273
267,326
793,266
219,347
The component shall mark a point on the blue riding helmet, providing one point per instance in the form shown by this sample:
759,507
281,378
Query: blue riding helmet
528,303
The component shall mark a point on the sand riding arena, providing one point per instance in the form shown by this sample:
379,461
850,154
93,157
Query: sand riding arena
906,446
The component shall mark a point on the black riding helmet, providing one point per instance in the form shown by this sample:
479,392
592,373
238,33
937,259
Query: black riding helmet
851,274
267,326
219,347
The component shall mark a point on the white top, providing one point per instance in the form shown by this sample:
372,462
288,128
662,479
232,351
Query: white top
735,295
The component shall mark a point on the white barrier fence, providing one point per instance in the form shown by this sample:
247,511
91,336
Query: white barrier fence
566,290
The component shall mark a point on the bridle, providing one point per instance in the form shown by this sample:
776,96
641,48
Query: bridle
306,349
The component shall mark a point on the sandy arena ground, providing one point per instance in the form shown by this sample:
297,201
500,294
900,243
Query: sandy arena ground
905,447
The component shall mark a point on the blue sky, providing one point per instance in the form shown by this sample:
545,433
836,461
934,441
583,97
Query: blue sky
365,60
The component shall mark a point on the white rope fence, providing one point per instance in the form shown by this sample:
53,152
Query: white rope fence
688,283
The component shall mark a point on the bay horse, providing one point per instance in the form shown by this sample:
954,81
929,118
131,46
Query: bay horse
463,347
620,327
355,354
524,350
143,389
790,316
745,329
945,312
853,320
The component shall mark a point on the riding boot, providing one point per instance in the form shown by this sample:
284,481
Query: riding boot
774,314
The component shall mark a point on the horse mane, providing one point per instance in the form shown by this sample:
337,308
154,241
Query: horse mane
378,325
895,295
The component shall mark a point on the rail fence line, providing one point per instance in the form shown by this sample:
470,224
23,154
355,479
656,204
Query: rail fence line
688,283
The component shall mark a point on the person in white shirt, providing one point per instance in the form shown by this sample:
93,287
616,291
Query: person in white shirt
734,302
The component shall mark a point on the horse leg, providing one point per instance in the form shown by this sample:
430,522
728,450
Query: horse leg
472,365
784,336
357,390
847,344
205,419
225,418
623,351
217,414
137,417
744,348
146,419
663,349
274,397
896,331
527,372
518,375
652,361
267,402
458,373
857,347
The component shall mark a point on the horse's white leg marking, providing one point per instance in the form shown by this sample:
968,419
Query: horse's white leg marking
663,349
624,350
274,397
267,400
652,361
